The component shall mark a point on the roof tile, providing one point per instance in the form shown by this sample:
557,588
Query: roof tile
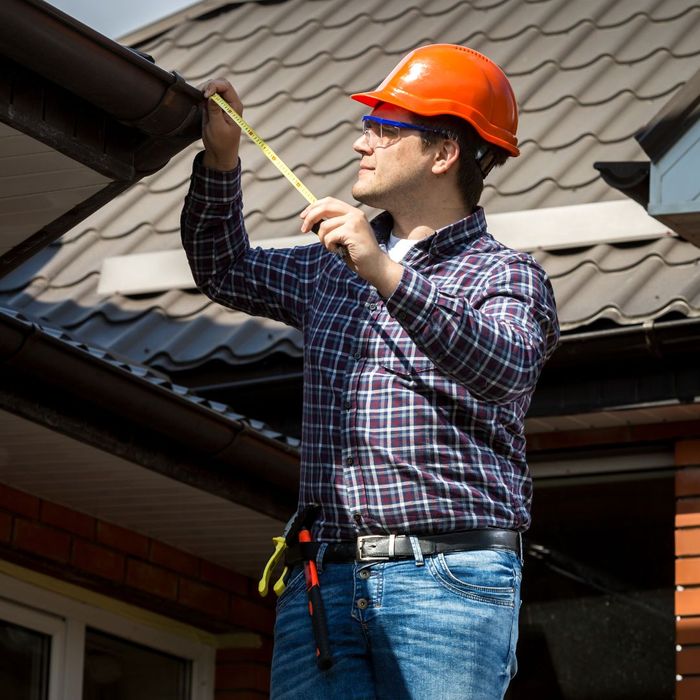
587,75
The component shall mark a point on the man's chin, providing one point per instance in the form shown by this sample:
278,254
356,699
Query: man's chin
361,195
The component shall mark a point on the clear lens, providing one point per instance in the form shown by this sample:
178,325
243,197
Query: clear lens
380,135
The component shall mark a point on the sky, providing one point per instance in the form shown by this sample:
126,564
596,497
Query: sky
115,18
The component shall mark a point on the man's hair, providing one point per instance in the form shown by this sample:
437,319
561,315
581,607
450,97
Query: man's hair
476,155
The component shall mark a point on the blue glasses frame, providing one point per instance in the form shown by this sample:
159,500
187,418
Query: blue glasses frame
400,125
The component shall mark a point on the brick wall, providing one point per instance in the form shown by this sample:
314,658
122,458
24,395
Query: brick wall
688,570
128,566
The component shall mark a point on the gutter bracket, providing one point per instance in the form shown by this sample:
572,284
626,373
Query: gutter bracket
651,340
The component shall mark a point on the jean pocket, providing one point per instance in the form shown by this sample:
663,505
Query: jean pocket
486,575
295,585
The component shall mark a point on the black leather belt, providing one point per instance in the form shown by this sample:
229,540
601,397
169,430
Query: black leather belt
373,548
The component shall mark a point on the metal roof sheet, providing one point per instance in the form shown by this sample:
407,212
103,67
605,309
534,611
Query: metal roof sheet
588,76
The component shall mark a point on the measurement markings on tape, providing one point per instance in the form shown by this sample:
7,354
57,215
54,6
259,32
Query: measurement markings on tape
274,158
260,143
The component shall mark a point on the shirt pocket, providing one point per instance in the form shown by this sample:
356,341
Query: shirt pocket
406,365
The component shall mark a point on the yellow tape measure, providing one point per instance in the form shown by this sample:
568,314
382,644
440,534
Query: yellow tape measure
341,252
255,137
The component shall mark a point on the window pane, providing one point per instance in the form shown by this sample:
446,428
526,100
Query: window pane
116,669
24,663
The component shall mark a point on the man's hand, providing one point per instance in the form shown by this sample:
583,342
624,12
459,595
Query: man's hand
343,225
221,135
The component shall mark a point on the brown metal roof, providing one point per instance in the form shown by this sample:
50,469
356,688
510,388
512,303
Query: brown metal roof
588,76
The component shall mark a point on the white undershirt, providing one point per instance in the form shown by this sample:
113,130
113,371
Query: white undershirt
397,248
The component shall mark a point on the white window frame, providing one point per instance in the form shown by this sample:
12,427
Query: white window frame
65,619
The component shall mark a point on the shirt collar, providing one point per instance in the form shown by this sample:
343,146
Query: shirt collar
447,241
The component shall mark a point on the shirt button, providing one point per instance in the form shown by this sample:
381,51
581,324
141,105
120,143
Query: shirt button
372,307
365,574
357,355
362,603
348,405
349,461
357,517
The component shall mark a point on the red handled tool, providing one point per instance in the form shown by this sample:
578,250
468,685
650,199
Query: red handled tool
317,612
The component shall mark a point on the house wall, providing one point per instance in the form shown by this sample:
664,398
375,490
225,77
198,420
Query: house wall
688,570
128,566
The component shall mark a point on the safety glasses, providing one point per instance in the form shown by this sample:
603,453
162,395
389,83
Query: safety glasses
381,133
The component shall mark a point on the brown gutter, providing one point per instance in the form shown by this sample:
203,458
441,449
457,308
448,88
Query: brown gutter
112,77
138,415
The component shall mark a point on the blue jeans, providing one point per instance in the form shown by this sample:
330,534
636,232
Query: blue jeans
443,628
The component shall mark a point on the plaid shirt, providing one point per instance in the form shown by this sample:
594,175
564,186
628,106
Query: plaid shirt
413,405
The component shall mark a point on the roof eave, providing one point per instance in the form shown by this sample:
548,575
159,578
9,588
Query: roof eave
74,391
97,102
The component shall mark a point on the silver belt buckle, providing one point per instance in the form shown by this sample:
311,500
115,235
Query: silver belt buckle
362,540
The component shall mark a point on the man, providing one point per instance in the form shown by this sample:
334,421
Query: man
422,348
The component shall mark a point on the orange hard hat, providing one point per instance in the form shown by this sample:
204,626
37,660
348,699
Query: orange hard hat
451,79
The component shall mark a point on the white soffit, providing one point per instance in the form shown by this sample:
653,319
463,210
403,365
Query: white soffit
37,185
63,470
549,229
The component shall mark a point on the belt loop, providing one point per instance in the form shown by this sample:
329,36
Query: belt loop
521,552
323,546
417,553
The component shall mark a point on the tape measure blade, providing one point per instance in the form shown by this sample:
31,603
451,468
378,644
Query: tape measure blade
269,153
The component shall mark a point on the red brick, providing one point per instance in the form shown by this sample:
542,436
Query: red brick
5,527
257,653
688,571
688,452
687,519
122,539
19,501
252,616
97,560
688,505
67,519
207,599
688,602
151,579
224,578
174,559
42,540
687,689
688,661
688,481
243,676
688,630
687,541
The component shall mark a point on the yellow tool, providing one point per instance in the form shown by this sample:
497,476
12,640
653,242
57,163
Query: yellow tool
255,137
264,583
273,157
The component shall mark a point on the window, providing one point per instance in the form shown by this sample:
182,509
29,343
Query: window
77,644
24,662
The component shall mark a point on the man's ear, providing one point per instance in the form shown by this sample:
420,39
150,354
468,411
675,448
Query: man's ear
446,156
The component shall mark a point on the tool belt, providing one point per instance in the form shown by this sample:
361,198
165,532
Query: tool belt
376,548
